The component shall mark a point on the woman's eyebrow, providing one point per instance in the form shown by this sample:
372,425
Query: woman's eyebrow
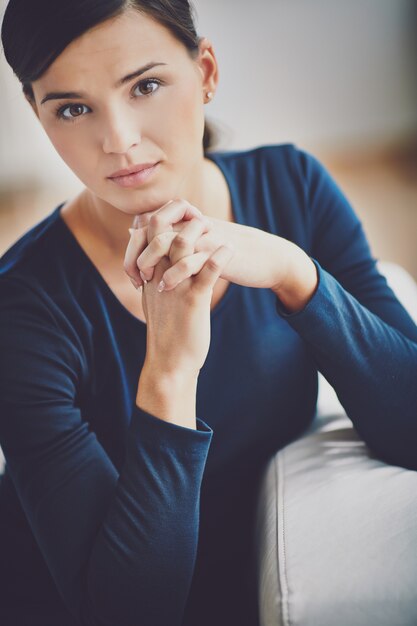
60,95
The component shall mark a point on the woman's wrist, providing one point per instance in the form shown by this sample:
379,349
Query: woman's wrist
169,396
300,283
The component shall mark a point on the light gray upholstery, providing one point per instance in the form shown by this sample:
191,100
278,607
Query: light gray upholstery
336,529
336,534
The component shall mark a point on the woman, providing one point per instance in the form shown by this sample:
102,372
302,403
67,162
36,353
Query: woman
129,490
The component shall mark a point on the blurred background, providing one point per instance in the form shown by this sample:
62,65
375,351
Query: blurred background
336,78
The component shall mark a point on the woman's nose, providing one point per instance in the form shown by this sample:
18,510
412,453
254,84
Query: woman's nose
120,135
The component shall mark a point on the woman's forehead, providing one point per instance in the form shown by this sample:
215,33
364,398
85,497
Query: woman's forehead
129,33
113,50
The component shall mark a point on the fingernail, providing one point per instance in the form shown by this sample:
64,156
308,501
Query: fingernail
197,213
134,283
161,286
131,231
142,275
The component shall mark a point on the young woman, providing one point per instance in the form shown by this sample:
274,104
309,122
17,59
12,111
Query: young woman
136,420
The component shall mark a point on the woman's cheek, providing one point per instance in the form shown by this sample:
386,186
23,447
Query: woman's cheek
185,118
74,152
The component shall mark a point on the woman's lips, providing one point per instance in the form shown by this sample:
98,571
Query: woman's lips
136,179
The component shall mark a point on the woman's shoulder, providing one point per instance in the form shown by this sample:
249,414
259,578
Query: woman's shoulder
35,285
35,252
38,325
284,161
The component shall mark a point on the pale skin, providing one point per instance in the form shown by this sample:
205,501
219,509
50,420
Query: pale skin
188,246
187,237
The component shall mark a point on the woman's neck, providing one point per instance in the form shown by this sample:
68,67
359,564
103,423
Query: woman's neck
98,223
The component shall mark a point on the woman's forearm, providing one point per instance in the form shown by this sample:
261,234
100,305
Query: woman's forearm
370,364
301,281
170,397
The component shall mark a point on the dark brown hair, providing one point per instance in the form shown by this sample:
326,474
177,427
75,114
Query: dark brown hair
35,32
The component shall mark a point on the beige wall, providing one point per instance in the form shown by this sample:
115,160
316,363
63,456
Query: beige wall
323,73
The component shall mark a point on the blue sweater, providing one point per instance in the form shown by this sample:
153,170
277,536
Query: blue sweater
110,516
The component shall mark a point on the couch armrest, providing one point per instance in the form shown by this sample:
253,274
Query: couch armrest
335,534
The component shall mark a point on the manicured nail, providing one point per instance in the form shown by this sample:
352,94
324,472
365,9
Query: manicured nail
131,231
161,286
142,275
134,283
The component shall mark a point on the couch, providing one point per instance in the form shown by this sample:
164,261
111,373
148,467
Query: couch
336,529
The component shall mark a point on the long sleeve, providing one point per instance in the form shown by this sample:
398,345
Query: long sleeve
359,335
121,548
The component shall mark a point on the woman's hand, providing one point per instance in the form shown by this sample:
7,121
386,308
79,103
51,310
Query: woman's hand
261,259
178,321
177,216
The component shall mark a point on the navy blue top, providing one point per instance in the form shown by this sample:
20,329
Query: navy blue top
111,516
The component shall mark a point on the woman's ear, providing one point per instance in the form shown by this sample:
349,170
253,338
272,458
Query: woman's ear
208,67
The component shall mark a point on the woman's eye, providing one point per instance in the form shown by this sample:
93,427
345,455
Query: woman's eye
71,112
143,86
74,110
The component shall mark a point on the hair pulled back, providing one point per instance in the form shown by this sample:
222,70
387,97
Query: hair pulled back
35,32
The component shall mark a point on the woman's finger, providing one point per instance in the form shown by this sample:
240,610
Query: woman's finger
211,265
176,211
141,222
213,268
184,242
138,240
142,219
137,244
185,268
154,252
175,245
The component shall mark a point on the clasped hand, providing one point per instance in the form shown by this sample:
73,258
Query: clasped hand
179,231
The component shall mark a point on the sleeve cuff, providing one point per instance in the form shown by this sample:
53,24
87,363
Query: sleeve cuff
165,434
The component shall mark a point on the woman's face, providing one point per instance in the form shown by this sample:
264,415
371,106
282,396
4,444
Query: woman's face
110,125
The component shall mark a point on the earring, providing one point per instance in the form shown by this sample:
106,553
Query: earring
209,95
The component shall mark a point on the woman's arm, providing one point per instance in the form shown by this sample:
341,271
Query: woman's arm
360,336
120,547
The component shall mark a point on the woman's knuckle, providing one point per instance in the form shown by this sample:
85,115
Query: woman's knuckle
170,281
183,264
181,241
156,220
213,265
158,243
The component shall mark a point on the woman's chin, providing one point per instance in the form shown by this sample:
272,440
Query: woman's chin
133,204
